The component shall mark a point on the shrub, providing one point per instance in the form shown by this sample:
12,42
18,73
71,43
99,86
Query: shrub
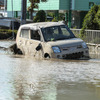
40,16
92,19
51,14
54,19
5,33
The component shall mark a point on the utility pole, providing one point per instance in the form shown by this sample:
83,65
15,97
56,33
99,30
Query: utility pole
4,7
12,20
23,11
70,13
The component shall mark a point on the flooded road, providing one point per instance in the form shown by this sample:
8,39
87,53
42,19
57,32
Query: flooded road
26,78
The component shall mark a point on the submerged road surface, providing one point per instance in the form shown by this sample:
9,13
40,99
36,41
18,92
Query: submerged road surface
26,78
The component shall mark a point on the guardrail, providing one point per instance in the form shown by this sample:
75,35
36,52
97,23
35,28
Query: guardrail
91,36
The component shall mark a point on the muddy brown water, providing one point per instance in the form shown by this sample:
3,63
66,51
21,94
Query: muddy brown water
26,78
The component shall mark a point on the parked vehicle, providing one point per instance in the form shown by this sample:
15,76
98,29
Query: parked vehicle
1,15
50,39
8,23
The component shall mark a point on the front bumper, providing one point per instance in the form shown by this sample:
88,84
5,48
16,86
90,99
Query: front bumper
73,55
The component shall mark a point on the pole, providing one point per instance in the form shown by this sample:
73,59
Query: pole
23,11
12,21
12,7
70,14
4,8
66,18
69,18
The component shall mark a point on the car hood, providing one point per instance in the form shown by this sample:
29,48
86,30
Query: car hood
66,43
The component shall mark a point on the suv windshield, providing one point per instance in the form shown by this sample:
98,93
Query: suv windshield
57,33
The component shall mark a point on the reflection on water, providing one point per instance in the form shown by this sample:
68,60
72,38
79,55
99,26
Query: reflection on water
24,78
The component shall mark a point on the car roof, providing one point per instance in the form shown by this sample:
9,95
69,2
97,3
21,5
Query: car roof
41,25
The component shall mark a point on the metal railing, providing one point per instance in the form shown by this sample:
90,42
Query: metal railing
90,36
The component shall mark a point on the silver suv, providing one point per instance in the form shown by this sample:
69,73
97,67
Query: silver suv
50,39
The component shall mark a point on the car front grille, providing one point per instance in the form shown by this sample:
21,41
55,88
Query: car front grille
71,48
73,55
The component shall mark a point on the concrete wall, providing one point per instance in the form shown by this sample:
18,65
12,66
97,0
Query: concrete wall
81,5
84,5
16,5
64,4
49,5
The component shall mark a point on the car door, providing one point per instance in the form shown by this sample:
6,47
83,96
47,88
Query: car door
35,40
23,40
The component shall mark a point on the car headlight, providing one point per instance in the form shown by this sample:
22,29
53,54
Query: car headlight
84,45
56,49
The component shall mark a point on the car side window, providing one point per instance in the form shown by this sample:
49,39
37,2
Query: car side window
35,35
24,33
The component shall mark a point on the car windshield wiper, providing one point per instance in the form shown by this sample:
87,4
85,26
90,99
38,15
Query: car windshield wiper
62,38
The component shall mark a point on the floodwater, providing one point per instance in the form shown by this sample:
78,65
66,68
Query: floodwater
26,78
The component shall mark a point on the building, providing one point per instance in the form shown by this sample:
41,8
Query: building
74,10
1,4
3,8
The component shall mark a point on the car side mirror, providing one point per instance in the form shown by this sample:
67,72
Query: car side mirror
39,47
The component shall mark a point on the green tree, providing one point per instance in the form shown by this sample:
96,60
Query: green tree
40,16
51,14
61,16
92,19
97,18
54,19
34,4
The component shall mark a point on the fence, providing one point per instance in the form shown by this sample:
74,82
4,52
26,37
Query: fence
90,36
